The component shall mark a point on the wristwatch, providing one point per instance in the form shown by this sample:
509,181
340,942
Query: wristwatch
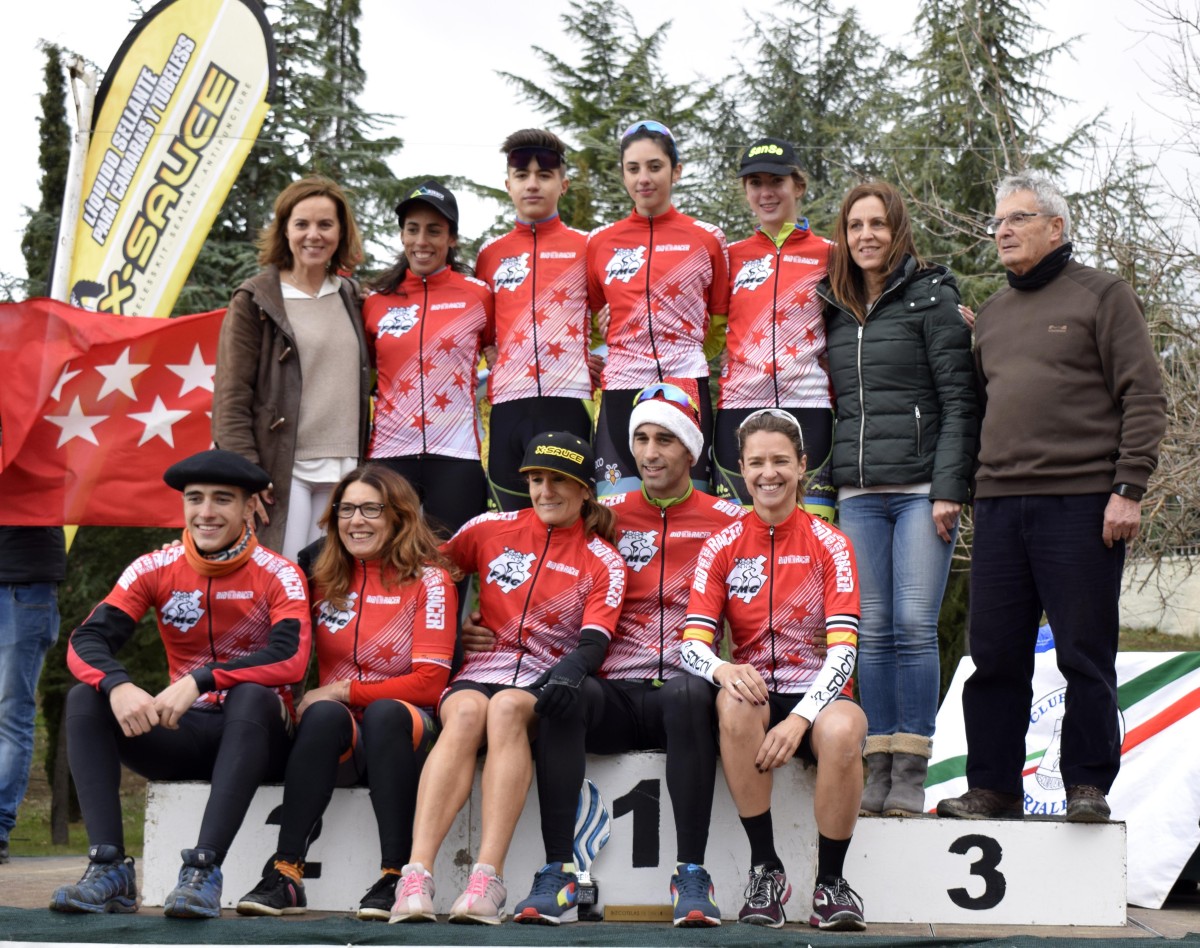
1130,491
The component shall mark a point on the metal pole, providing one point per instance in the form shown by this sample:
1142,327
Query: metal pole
83,89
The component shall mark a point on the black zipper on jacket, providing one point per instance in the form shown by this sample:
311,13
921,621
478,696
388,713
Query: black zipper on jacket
212,645
525,608
649,311
774,319
662,607
421,361
537,358
362,598
771,601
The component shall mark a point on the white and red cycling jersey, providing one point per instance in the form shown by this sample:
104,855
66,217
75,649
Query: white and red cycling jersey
389,641
776,329
660,546
777,585
425,339
539,588
538,275
249,625
662,278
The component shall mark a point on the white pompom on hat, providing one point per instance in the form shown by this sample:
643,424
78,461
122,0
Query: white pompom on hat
660,404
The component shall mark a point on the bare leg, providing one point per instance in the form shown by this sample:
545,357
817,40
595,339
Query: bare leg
837,740
743,727
447,775
507,772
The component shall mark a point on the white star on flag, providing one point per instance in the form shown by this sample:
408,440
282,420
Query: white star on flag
119,375
75,424
67,375
158,421
196,374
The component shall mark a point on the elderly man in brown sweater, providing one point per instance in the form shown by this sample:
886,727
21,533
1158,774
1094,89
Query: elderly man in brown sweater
1074,412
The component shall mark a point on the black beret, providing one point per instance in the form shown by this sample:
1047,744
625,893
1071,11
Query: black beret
217,467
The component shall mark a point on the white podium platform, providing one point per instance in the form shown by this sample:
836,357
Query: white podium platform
918,870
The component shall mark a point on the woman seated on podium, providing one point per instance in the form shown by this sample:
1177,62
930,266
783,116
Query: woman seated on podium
384,607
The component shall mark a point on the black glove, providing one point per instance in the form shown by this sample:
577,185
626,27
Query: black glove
560,686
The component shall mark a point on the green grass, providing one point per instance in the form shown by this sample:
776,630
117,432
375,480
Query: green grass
1151,640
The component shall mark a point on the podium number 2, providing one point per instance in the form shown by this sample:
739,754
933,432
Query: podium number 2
994,883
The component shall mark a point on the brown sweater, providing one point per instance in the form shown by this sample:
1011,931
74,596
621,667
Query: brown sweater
1073,398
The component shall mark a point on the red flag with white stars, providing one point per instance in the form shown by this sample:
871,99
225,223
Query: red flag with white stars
93,409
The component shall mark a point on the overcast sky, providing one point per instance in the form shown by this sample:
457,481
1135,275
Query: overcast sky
437,73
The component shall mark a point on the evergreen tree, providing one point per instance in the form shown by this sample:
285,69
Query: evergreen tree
54,151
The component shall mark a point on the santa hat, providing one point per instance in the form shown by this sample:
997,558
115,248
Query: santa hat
673,404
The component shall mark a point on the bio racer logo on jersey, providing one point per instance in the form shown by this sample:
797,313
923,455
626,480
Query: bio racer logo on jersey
746,578
625,264
510,569
638,548
183,611
753,274
398,320
511,273
335,619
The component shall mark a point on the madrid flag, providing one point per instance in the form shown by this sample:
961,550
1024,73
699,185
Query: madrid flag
93,409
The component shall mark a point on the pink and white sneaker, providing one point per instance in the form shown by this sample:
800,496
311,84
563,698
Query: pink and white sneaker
483,901
414,896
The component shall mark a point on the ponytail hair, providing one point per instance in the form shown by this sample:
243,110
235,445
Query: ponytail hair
599,520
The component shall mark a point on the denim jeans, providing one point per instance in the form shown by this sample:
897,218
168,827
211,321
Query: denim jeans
28,627
1033,553
902,570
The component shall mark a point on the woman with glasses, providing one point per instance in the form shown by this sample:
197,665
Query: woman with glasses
778,578
904,447
776,332
551,586
383,621
426,323
663,275
293,380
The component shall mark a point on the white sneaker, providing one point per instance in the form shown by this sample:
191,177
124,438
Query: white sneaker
483,901
414,896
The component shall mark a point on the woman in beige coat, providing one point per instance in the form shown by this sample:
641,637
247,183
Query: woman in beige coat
293,375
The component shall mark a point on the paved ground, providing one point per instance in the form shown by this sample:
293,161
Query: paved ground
26,882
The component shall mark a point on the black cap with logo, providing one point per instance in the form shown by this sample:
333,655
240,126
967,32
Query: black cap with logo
436,195
563,452
768,156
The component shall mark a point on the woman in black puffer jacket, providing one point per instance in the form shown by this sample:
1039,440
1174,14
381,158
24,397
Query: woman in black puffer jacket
904,445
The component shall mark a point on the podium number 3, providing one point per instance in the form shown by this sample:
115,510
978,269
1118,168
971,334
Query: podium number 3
994,883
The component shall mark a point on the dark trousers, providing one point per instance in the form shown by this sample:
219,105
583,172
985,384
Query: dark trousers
1031,554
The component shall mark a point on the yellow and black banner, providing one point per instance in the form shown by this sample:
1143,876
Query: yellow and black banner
178,111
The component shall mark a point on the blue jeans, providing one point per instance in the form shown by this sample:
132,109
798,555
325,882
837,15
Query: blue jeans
902,570
28,627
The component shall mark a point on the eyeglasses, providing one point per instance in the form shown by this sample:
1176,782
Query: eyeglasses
775,413
370,511
671,393
547,159
649,126
1016,219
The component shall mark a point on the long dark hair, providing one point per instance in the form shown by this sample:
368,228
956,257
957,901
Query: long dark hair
411,547
391,280
846,278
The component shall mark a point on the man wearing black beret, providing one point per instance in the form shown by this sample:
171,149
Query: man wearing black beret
234,619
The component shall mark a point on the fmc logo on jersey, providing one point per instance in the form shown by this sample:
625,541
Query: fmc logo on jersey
746,578
398,320
511,272
510,569
183,611
637,547
625,264
753,274
333,618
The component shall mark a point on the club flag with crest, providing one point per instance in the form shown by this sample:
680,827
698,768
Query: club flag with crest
178,112
1157,792
93,409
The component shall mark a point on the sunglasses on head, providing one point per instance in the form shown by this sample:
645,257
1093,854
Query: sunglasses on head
670,393
775,413
649,126
547,159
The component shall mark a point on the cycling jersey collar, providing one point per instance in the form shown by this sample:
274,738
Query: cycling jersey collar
800,228
666,502
670,214
412,279
546,223
790,522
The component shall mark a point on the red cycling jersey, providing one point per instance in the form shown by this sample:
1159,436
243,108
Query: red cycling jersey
660,546
776,328
390,641
425,339
250,625
539,588
777,586
538,273
662,277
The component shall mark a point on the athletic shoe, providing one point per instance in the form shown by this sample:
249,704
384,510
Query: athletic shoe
482,903
837,908
692,896
551,901
109,884
414,898
1086,804
982,804
197,894
380,898
276,894
766,893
